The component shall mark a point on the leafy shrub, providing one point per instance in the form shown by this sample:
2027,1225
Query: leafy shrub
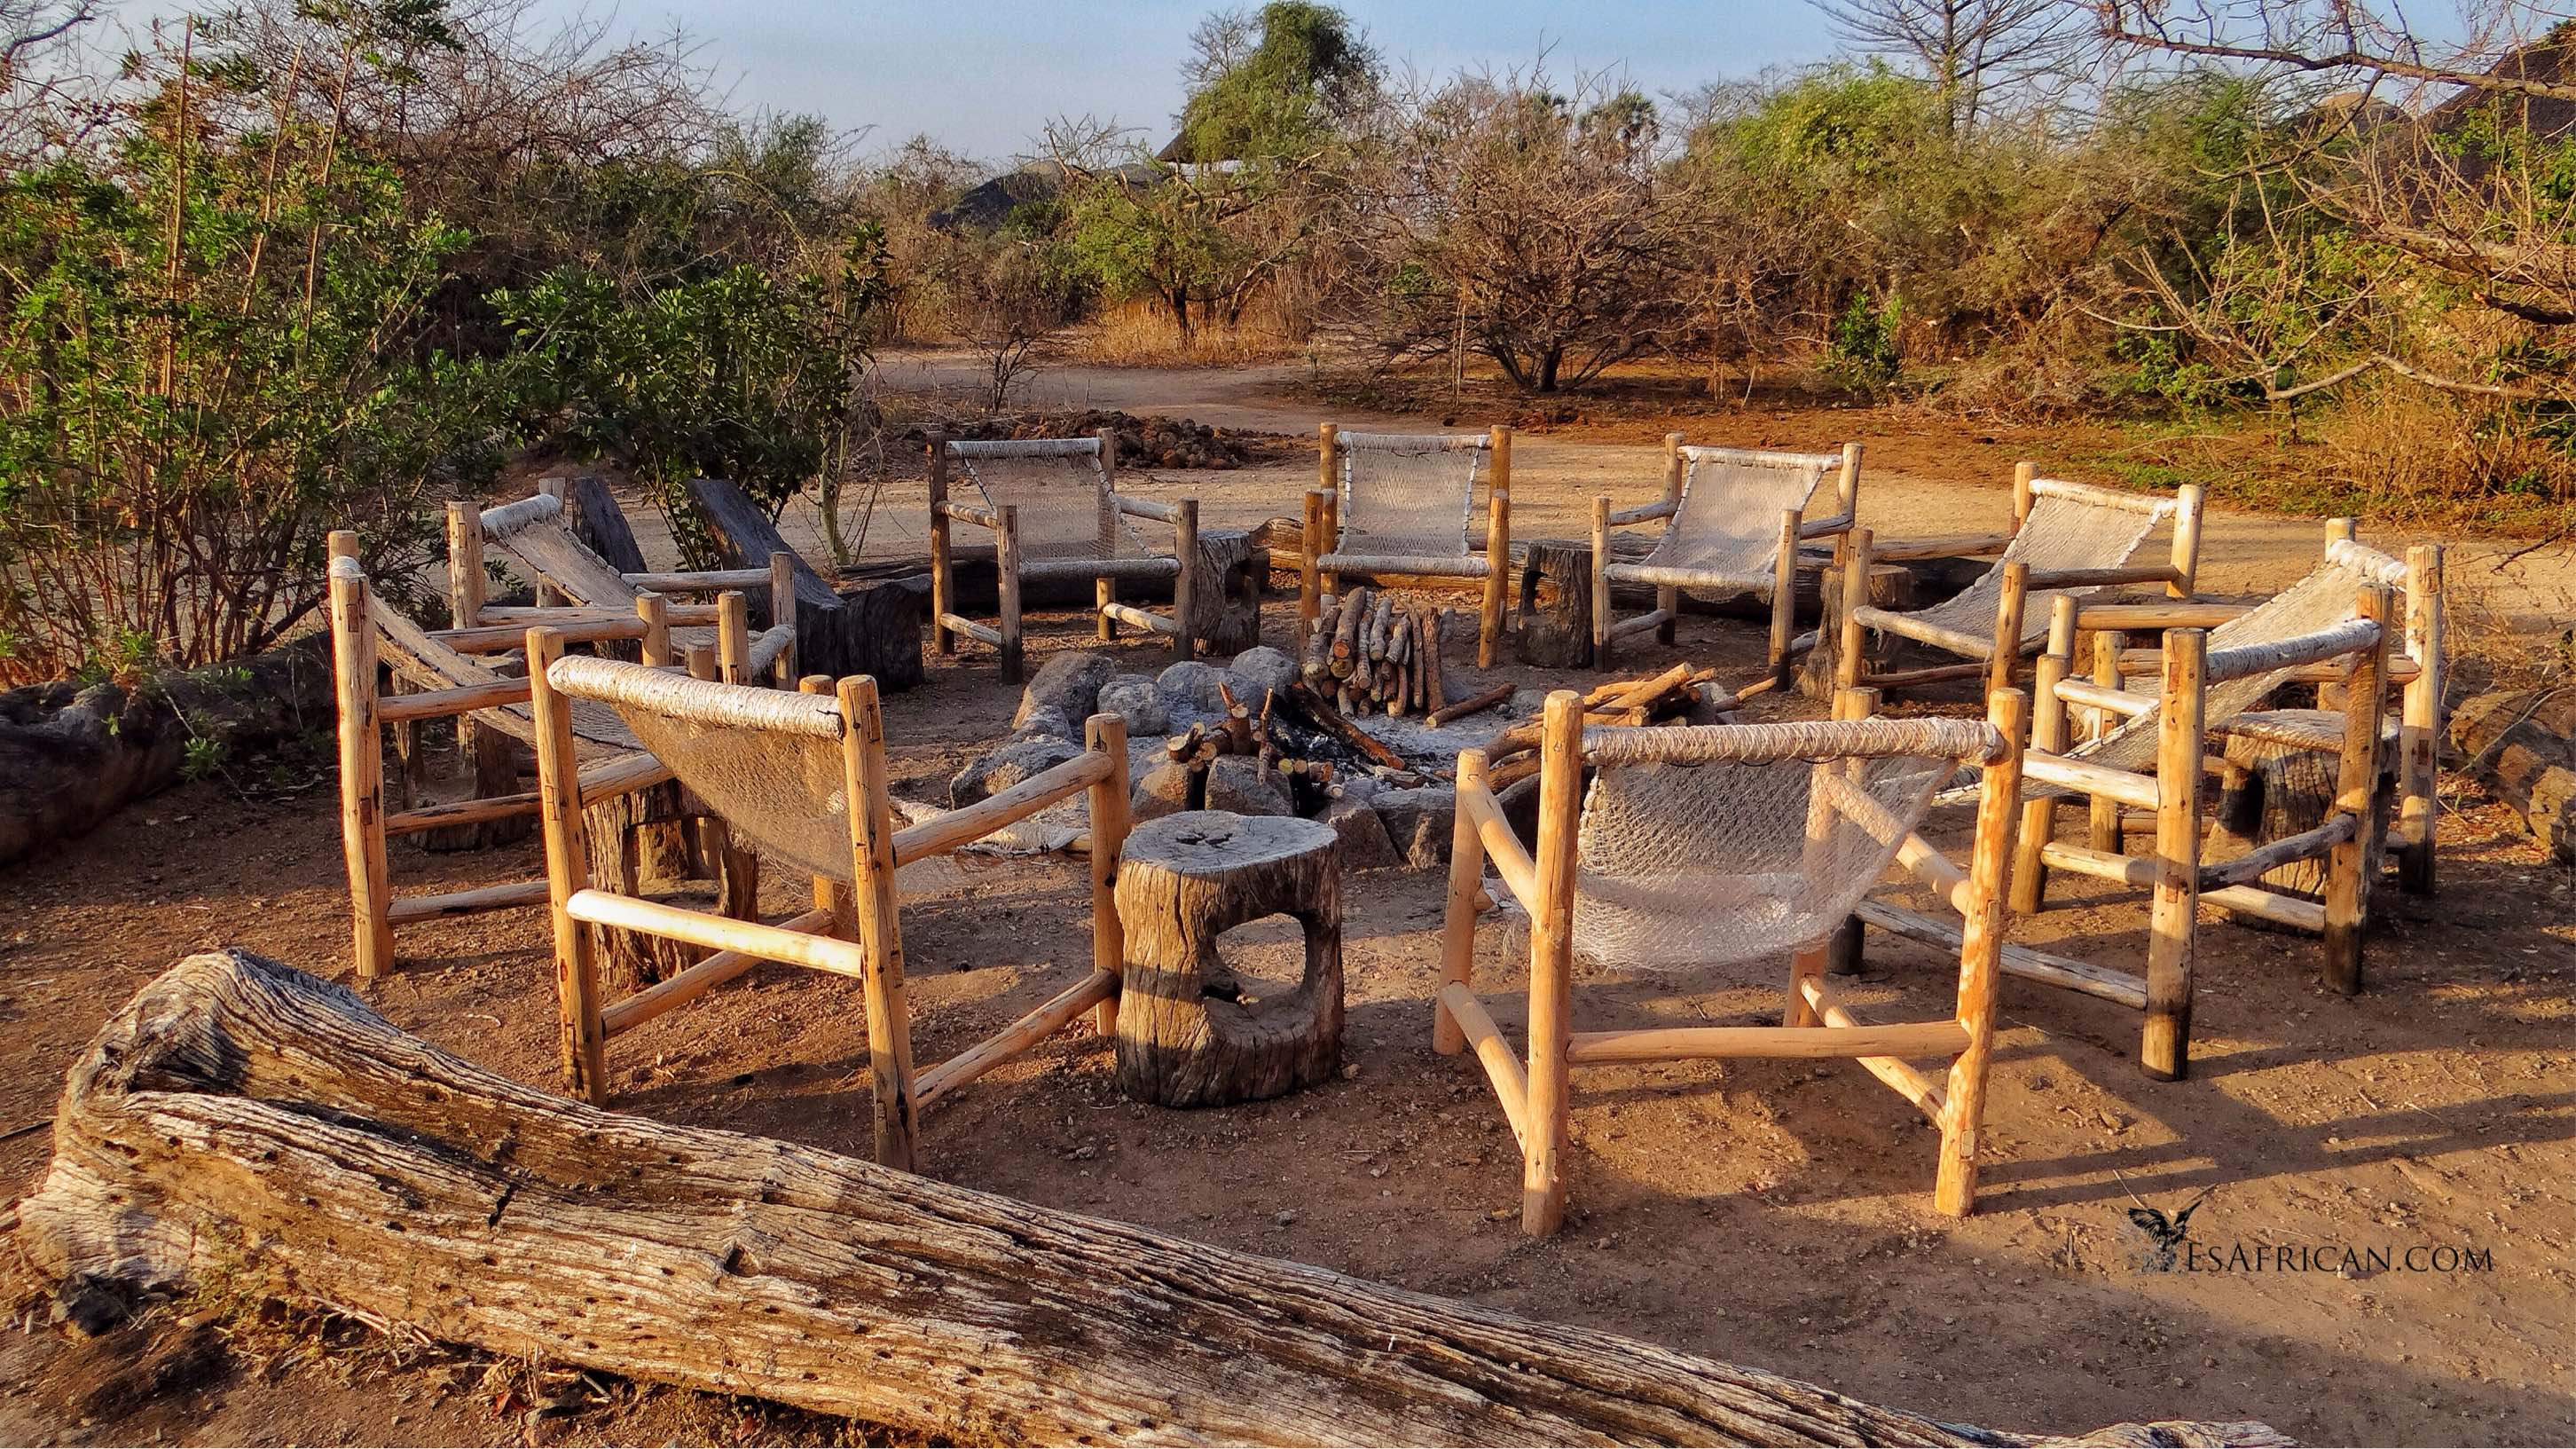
207,362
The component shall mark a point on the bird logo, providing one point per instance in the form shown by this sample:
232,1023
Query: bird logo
2164,1233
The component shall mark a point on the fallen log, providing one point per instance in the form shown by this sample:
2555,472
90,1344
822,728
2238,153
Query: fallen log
241,1122
2521,746
71,755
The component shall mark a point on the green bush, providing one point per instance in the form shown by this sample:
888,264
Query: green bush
208,360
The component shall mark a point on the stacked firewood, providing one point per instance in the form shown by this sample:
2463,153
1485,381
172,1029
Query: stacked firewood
1243,731
1513,756
1368,652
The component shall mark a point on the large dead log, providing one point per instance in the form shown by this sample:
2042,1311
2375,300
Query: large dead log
242,1122
2521,745
597,520
873,629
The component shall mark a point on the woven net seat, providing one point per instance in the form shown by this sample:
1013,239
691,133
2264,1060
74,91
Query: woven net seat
428,664
767,761
535,535
2060,533
2323,599
1717,844
1068,508
1725,533
1408,502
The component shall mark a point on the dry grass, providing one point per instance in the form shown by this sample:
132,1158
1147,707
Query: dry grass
1137,334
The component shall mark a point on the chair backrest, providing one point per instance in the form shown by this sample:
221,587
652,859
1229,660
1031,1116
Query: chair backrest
1728,521
1711,844
770,762
2069,526
1409,495
418,656
2328,596
1063,489
534,532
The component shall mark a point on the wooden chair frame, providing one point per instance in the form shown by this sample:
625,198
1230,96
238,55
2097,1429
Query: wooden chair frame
1323,562
1607,629
367,711
1991,659
2353,654
1816,1023
1012,570
500,627
849,931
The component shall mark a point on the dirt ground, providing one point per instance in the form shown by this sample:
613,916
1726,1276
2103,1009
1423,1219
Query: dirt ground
1773,1213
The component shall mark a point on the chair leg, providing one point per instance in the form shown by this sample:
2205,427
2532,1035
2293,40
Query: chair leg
1981,949
1804,967
1602,635
1458,919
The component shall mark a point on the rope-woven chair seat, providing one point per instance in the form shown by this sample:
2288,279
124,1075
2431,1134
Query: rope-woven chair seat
1068,508
768,761
427,664
1410,506
1725,533
1715,844
533,532
2060,533
2313,605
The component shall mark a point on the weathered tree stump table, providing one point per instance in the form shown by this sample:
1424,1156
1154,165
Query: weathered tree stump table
1183,881
1225,607
2278,780
1556,605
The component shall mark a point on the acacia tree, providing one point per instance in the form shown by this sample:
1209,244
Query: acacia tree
1529,226
2473,197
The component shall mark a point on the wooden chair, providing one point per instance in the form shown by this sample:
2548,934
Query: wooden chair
804,777
1733,520
2070,539
1714,844
443,677
1055,512
2153,759
575,585
1382,507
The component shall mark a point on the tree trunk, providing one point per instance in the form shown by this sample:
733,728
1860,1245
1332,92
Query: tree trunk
243,1123
1556,605
871,630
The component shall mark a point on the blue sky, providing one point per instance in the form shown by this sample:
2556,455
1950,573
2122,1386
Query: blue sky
983,76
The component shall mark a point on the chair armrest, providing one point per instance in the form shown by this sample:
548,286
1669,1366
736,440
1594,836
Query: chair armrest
1146,508
1955,545
1643,513
701,581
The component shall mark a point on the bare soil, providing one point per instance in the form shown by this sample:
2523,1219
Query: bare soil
1767,1212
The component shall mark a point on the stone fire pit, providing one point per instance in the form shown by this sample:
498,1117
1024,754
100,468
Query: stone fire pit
1383,816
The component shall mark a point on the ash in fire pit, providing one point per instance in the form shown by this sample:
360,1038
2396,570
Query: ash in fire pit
1247,737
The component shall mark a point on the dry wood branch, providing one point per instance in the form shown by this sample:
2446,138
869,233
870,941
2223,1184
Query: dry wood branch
242,1119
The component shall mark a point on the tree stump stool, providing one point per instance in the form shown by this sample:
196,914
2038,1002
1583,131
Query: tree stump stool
2278,780
1225,607
1891,586
661,844
1184,880
1556,605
